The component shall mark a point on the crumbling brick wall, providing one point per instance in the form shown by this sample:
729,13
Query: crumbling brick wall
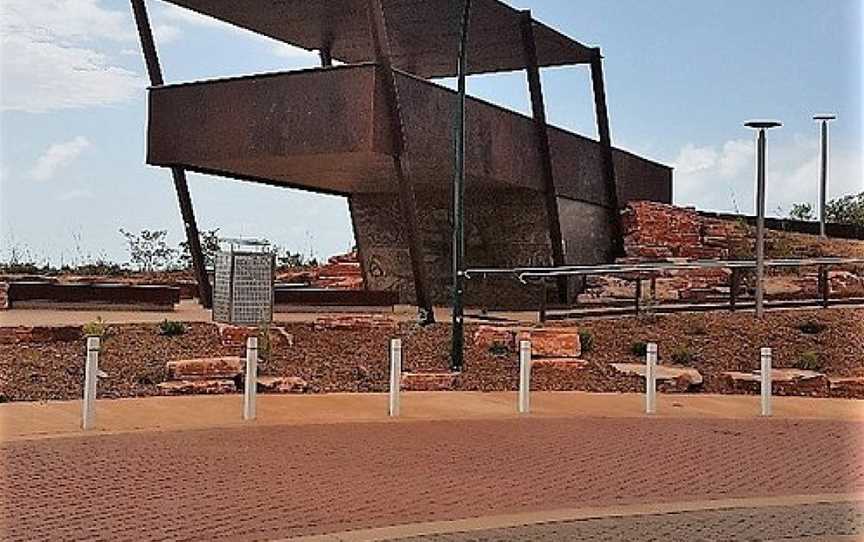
659,232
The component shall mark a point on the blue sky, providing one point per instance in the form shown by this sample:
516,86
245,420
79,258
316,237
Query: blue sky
681,75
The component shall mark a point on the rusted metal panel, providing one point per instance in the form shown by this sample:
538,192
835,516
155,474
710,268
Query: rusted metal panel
280,127
22,293
423,33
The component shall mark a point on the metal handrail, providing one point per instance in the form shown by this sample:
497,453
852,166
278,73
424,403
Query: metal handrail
523,273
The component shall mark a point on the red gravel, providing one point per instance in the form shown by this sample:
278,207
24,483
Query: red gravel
355,360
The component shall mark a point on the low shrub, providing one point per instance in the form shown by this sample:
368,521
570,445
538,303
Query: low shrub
639,348
586,339
683,355
95,328
809,361
812,328
170,328
498,349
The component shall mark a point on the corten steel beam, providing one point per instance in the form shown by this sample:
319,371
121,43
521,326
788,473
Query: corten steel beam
407,199
538,109
602,114
326,57
457,349
179,175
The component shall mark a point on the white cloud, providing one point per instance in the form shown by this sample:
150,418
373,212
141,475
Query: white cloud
57,156
53,55
722,177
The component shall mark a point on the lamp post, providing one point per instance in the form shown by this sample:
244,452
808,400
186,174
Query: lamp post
457,349
823,179
761,126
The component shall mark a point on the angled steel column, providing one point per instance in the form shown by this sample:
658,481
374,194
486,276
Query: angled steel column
457,347
538,109
602,114
407,199
179,175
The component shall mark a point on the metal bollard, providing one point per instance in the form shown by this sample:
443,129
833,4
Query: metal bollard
251,384
524,377
765,380
651,378
91,375
395,375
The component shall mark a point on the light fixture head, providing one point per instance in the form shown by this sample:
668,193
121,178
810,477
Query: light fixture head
825,117
763,124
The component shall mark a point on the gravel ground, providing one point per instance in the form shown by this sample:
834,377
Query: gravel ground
350,360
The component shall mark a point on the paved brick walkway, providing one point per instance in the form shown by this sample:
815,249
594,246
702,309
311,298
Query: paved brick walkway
770,523
271,482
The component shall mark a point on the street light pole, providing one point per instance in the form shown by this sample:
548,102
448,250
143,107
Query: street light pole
823,180
457,348
761,126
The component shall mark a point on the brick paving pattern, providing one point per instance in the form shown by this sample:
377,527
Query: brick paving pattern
261,483
770,523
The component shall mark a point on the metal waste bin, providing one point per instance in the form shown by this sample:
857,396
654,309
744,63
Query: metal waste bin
243,290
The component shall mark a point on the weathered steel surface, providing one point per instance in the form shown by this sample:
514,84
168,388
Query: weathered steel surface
332,297
280,127
608,164
538,110
120,294
423,33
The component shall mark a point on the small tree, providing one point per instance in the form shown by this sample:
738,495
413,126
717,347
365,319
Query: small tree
802,211
846,210
148,250
209,248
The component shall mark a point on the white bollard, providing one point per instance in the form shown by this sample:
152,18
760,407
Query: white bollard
765,380
524,377
91,375
251,387
395,375
651,378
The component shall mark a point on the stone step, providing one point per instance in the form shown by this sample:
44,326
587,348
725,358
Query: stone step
428,381
782,380
546,342
282,384
205,368
682,378
197,387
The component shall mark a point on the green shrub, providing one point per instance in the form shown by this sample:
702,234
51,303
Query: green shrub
264,344
586,339
697,329
812,328
498,349
95,328
170,328
683,355
809,361
639,348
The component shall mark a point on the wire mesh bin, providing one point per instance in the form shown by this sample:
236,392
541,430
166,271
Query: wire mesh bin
243,293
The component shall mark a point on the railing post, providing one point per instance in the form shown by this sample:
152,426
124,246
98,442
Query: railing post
524,377
734,284
651,378
395,375
91,375
251,388
765,380
824,285
638,294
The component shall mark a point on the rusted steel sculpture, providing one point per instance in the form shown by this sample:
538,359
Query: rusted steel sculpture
369,125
